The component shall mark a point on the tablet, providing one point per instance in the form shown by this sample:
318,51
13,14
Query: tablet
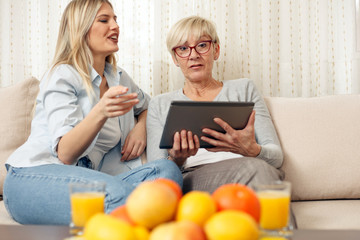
195,115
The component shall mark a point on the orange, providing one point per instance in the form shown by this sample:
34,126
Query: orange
182,230
105,227
234,196
172,184
231,225
196,206
121,213
151,203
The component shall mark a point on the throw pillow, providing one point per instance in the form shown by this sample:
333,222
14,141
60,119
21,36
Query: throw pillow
15,118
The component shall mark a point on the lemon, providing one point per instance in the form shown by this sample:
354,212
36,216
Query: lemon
105,227
231,225
141,233
196,206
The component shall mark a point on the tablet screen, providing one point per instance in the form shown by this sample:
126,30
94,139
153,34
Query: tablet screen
194,116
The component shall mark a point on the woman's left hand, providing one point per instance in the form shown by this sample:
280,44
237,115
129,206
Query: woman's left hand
135,142
237,141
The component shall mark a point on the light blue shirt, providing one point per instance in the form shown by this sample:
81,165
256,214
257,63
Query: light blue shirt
61,104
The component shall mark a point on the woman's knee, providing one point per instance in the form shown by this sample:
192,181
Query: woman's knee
28,196
262,171
248,170
118,190
116,194
257,164
168,169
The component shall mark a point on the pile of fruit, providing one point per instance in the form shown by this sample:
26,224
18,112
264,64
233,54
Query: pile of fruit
157,210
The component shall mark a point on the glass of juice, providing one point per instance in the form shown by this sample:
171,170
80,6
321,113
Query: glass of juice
274,200
86,199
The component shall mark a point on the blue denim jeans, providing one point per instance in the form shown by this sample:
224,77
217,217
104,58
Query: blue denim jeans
40,195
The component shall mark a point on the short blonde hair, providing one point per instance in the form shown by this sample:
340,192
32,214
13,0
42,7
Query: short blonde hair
72,44
194,25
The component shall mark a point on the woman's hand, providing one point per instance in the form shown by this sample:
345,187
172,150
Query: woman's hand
237,141
185,145
112,104
135,141
115,103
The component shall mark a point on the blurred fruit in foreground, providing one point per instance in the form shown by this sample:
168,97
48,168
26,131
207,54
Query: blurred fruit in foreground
105,227
121,213
172,184
182,230
141,233
272,238
231,225
196,206
151,203
239,197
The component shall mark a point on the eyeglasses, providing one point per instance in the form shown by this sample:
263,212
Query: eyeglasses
184,51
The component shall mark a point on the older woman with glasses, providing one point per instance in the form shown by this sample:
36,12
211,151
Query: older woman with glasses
248,156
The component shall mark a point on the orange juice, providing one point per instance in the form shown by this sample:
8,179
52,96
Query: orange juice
84,205
275,207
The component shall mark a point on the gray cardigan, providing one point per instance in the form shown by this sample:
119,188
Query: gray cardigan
242,90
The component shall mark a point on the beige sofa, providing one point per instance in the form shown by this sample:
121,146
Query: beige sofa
320,138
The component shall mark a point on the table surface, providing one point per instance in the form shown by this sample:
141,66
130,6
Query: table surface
33,232
39,232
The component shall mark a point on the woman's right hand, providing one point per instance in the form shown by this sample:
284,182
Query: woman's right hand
115,103
185,145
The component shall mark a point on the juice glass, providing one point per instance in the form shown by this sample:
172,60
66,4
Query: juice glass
86,199
275,207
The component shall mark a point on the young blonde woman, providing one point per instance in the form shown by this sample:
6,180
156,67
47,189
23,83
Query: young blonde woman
83,129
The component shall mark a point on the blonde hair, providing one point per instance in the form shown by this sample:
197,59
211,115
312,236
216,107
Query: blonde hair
194,25
72,46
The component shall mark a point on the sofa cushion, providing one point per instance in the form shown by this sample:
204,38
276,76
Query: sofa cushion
327,214
15,118
5,218
321,144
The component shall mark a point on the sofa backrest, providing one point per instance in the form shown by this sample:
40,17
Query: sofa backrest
15,118
320,138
